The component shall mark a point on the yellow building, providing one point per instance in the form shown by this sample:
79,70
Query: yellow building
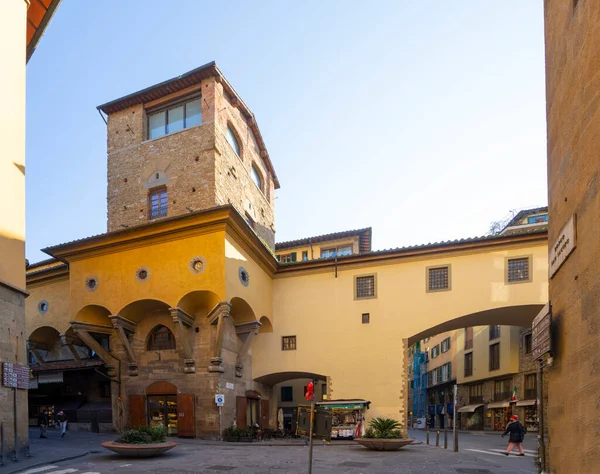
22,24
183,297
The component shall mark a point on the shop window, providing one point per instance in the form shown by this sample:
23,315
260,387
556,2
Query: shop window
468,364
305,256
435,351
502,390
468,338
158,202
288,257
476,393
495,356
446,345
288,343
530,386
527,343
364,287
366,318
438,278
518,270
494,332
175,118
161,339
287,394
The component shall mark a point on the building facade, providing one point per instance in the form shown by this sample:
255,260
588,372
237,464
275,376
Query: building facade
572,43
184,298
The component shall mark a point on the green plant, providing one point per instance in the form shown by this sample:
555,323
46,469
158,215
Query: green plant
384,428
134,437
231,432
158,434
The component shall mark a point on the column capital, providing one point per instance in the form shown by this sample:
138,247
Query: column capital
221,309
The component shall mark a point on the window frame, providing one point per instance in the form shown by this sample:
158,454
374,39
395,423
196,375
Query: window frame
151,339
447,341
493,333
236,136
291,393
507,261
435,348
468,355
288,340
259,176
428,270
491,359
527,337
336,250
158,191
366,320
172,105
305,255
292,257
356,277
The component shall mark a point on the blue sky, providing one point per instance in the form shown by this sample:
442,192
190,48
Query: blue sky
424,120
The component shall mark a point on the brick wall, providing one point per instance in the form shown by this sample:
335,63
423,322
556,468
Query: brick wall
572,39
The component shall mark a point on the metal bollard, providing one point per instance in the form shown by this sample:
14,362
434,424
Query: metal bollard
437,438
427,435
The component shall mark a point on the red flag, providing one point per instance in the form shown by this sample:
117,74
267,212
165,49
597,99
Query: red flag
310,389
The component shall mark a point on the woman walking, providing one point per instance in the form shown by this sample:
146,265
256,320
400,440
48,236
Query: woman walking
517,433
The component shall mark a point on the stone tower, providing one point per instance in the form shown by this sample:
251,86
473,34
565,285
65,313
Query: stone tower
185,145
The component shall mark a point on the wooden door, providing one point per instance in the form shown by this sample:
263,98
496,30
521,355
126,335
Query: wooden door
137,411
241,404
186,416
264,414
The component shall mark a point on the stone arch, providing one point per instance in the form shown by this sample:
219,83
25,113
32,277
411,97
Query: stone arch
45,341
157,179
241,311
198,302
93,314
279,377
266,327
138,310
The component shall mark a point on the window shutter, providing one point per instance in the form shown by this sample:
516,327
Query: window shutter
137,411
294,256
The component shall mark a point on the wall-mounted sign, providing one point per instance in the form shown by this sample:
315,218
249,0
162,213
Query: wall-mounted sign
220,400
229,386
15,375
541,336
563,246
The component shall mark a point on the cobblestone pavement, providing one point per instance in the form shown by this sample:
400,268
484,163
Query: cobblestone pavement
195,456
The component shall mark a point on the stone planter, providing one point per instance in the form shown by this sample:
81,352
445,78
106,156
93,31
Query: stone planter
384,444
139,450
245,439
231,439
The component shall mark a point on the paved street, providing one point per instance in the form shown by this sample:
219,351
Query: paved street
477,456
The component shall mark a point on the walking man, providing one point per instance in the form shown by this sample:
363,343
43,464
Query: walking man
43,422
61,418
517,433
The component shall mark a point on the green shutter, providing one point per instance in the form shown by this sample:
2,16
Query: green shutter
294,256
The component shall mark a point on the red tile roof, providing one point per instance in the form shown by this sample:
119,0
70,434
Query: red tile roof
364,239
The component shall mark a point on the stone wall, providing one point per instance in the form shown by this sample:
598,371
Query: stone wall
572,40
13,350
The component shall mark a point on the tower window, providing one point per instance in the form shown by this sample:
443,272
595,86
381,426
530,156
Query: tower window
256,177
161,339
183,115
233,141
158,203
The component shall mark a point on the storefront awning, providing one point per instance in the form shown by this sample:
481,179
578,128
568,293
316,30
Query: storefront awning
499,405
54,377
526,403
345,404
469,408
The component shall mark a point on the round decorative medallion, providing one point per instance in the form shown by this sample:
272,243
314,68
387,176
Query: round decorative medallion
43,307
197,265
91,283
244,276
142,274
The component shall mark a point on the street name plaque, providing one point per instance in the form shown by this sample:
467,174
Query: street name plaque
563,246
541,336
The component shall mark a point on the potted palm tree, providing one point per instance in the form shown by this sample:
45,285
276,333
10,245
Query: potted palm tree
384,434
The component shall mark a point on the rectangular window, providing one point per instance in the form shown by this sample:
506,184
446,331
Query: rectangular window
435,376
502,390
435,351
175,118
468,364
288,343
364,287
446,372
530,386
476,393
537,219
527,343
305,255
494,332
518,270
287,394
366,318
288,258
446,345
158,203
438,278
495,356
468,338
324,390
336,251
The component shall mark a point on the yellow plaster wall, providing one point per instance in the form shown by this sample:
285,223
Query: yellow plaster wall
170,278
56,293
320,310
443,357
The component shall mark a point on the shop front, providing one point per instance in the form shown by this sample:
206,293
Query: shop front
501,413
471,417
347,417
527,410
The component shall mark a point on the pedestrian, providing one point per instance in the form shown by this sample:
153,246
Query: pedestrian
61,418
43,422
517,433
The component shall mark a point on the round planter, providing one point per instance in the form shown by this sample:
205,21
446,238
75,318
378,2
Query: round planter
384,444
138,450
